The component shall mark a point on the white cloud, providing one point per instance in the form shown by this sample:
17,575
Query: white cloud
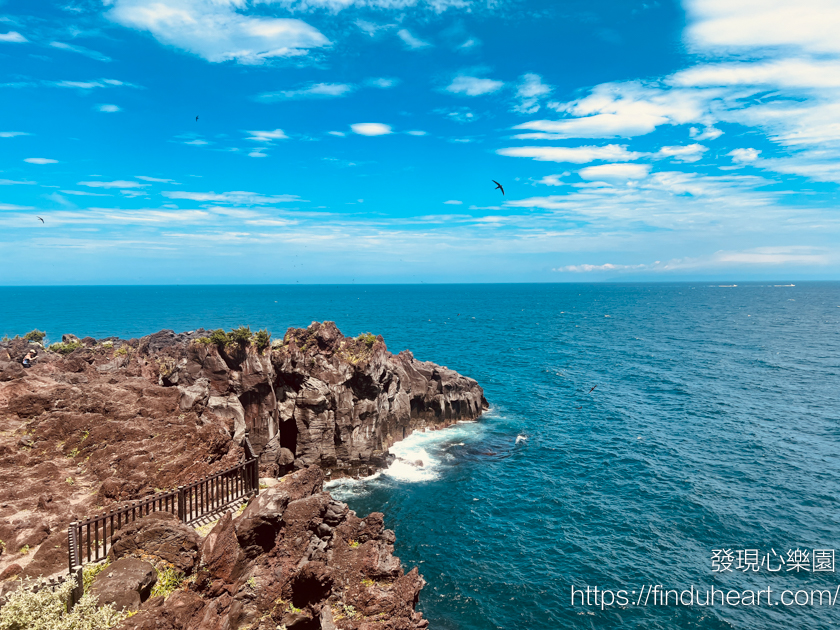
383,83
257,153
438,6
686,153
552,180
12,182
371,129
807,25
13,134
87,52
218,30
237,197
12,36
314,90
787,73
92,84
575,155
614,172
529,92
339,134
11,206
709,133
108,108
85,193
743,156
267,136
604,267
120,183
411,41
40,161
473,86
146,178
453,202
416,132
197,142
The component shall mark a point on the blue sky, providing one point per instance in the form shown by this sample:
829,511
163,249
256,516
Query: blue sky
356,140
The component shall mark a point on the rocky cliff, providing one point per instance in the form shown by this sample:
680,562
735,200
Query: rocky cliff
99,422
316,397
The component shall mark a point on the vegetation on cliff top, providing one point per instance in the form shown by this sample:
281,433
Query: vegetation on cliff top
241,336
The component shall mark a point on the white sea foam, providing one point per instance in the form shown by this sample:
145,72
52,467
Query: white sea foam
428,447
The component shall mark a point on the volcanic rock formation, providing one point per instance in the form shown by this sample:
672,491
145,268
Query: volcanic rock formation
100,422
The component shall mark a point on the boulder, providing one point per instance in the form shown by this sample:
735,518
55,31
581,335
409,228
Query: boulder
257,527
126,584
176,614
160,535
71,339
50,557
10,571
221,553
197,393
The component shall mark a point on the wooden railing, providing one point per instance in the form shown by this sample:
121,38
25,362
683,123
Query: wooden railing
90,540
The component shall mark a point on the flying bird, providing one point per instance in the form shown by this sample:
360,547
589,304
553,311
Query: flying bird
592,390
498,185
40,219
196,119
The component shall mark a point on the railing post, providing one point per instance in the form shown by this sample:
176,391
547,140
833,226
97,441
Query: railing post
182,507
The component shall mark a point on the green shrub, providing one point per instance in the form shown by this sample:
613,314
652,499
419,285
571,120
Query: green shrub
46,609
241,335
219,337
65,348
368,338
202,341
35,335
262,339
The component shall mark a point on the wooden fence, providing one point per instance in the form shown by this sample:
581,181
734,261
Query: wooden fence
90,540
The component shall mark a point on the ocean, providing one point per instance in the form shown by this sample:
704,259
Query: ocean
708,451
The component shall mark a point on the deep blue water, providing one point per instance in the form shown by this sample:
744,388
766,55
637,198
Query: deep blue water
715,424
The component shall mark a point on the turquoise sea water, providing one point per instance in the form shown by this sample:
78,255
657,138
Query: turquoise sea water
715,424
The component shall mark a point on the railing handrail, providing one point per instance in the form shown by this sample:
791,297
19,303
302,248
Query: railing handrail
188,502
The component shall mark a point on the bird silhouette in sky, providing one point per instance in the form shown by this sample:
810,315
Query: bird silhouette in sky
498,185
196,119
40,219
592,390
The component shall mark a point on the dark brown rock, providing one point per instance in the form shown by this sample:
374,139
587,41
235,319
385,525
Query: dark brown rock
10,571
50,557
179,609
126,584
257,527
161,535
221,553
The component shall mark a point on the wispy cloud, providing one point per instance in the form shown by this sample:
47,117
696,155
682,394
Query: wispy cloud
40,160
411,42
12,37
92,84
614,172
218,31
473,86
87,52
120,183
575,155
685,153
107,108
529,92
267,136
313,90
158,180
13,182
237,197
13,134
